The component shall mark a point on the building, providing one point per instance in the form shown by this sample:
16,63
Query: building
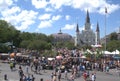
87,36
61,37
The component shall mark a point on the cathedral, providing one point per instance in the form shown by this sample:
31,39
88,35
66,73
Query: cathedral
87,36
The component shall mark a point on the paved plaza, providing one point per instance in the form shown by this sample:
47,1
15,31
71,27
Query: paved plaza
13,75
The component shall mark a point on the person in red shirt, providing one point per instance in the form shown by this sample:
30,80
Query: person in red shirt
85,75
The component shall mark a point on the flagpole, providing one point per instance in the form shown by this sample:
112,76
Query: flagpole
105,35
105,26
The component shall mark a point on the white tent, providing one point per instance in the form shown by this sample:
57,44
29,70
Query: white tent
97,46
116,52
51,59
106,52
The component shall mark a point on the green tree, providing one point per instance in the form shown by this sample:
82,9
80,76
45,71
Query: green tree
113,36
26,36
113,45
39,45
69,45
4,48
25,43
6,31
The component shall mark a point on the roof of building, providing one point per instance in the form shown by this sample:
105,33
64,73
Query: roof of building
61,35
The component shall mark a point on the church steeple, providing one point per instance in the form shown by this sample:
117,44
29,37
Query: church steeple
87,22
97,28
87,17
97,35
77,28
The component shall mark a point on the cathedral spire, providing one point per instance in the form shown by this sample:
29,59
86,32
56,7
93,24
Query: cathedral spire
77,28
87,17
97,35
87,22
97,29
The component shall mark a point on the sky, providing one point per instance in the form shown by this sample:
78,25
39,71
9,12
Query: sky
49,16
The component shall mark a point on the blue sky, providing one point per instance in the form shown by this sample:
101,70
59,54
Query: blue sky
49,16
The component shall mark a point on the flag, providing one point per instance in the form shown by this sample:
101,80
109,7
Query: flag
105,10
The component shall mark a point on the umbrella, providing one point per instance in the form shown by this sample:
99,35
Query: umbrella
18,54
58,57
83,57
12,55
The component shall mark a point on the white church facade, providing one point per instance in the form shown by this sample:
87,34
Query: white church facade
87,36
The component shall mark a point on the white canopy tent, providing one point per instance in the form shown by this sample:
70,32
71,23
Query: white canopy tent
97,46
111,53
107,52
116,52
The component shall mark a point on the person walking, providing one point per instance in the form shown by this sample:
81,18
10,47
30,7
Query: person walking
93,77
59,75
118,71
107,69
66,74
54,76
32,78
11,66
27,69
20,71
85,75
72,77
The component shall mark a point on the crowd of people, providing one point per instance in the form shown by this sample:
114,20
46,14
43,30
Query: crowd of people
70,64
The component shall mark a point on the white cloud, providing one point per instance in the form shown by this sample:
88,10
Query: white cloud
83,5
92,6
24,25
45,16
67,17
5,3
48,9
69,27
12,11
21,19
54,18
39,3
45,24
59,3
